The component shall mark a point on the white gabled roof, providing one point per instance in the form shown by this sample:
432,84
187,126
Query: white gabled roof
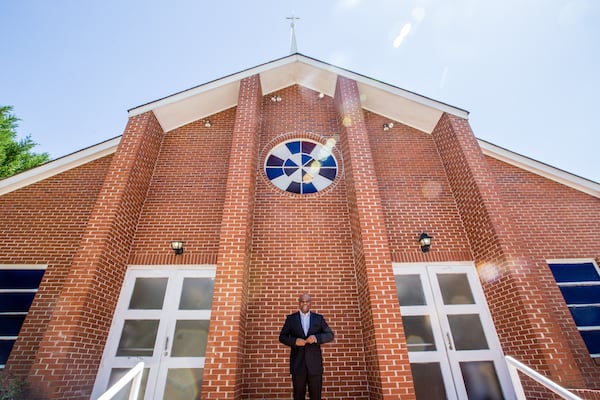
541,169
201,101
59,165
392,102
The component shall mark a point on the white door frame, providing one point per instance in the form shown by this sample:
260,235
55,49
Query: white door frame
450,358
160,360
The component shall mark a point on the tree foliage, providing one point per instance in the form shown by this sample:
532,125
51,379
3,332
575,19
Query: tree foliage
15,155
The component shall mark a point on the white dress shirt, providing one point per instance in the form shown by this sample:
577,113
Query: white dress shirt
305,319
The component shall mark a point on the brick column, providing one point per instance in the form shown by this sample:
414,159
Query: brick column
69,354
388,368
510,277
224,355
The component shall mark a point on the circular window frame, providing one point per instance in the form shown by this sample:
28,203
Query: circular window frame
324,183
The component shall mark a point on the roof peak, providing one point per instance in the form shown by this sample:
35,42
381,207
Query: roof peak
293,43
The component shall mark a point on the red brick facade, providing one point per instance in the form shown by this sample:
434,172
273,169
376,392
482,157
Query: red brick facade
495,244
68,356
30,219
206,186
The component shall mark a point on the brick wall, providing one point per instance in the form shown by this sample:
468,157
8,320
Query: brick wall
69,354
510,276
301,244
186,195
383,334
415,194
43,224
560,223
227,334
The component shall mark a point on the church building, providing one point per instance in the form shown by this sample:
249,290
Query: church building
186,241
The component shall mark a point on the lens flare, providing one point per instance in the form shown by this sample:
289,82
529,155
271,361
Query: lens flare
324,153
488,272
431,189
403,34
418,14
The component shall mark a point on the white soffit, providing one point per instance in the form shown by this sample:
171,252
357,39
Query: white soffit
541,169
299,73
193,108
397,104
59,165
397,108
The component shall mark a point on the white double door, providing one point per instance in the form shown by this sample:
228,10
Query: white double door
162,319
452,343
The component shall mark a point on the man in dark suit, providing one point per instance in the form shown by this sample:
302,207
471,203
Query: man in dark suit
305,331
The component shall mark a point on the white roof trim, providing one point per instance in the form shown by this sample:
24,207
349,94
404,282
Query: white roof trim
539,168
59,165
202,101
208,86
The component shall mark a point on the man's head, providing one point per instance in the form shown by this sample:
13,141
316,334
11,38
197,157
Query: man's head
304,301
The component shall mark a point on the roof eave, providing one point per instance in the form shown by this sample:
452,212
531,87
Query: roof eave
59,165
547,171
189,105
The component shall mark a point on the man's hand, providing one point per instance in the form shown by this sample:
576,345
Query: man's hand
311,339
300,342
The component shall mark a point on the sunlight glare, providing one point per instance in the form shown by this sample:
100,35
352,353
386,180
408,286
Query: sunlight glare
403,34
418,14
431,189
488,272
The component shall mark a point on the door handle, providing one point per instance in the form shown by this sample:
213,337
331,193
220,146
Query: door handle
449,341
167,346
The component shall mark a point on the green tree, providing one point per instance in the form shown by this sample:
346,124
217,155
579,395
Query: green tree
15,155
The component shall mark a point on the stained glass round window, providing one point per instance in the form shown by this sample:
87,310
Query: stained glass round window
302,166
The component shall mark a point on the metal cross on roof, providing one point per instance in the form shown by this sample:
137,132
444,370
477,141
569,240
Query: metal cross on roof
293,45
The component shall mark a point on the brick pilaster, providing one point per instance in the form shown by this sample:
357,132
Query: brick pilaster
223,368
510,277
388,367
70,352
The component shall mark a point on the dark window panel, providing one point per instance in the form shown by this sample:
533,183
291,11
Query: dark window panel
15,302
586,316
10,325
592,341
273,173
274,161
584,272
5,348
294,147
328,173
308,147
581,294
20,278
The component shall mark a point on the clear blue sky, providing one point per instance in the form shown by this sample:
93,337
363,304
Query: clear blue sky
528,71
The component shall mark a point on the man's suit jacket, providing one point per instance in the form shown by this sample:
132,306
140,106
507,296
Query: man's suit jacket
306,357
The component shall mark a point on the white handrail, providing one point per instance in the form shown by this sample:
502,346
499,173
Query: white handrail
514,365
134,375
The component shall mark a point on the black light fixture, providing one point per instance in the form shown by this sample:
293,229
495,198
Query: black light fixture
387,126
177,246
425,242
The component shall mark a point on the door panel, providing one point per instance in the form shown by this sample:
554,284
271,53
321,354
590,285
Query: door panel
425,339
162,318
450,334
